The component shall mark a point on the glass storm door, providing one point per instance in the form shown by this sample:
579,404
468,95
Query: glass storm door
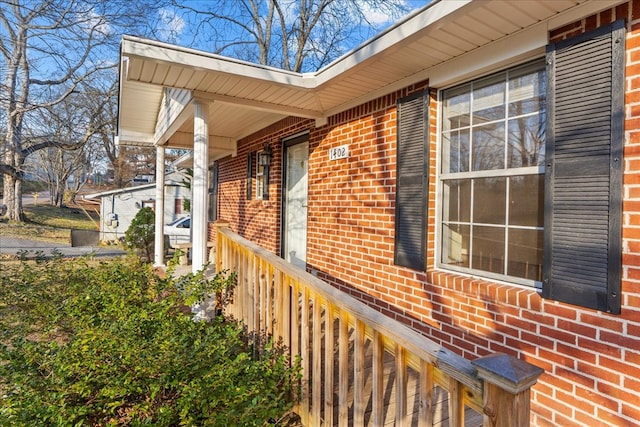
295,202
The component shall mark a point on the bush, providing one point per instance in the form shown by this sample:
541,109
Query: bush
112,344
140,235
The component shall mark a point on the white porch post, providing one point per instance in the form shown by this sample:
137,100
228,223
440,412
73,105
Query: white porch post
199,185
158,249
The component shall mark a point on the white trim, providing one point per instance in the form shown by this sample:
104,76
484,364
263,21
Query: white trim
259,105
295,135
435,13
158,246
135,138
199,185
441,177
196,59
523,46
175,110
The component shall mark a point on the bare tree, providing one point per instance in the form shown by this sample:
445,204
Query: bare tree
67,170
49,47
296,35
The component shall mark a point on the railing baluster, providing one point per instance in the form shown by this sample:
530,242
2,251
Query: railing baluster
359,403
328,364
304,351
291,309
343,368
426,394
261,299
456,404
252,307
378,379
269,308
316,355
401,386
279,315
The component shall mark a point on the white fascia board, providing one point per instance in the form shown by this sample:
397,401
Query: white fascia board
430,16
190,58
127,137
183,158
259,105
215,142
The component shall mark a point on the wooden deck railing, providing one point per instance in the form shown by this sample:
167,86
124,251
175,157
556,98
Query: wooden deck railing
346,348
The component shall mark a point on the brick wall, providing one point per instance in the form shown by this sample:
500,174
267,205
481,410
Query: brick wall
591,359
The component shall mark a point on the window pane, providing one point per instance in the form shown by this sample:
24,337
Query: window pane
455,108
455,153
526,141
489,200
259,186
488,147
456,199
527,93
455,245
525,254
526,200
488,249
489,100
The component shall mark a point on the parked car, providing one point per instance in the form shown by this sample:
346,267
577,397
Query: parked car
179,231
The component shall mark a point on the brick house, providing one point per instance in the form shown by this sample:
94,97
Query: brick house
473,172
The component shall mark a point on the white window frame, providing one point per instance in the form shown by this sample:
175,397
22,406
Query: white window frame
442,177
260,177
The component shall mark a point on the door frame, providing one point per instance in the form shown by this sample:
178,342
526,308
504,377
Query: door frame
286,143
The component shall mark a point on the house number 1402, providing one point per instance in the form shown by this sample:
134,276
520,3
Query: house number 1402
340,152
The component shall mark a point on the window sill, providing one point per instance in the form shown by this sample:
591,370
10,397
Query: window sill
519,296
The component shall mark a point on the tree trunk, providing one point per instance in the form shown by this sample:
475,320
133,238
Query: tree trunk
13,188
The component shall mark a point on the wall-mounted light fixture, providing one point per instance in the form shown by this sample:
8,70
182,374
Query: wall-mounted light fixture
264,156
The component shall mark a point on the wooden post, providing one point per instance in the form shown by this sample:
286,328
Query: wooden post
507,385
218,261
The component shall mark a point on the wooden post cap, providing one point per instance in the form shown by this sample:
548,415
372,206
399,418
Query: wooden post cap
507,372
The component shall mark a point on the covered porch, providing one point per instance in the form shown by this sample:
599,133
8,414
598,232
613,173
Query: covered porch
180,98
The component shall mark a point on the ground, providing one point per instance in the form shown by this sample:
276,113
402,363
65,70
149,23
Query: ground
50,224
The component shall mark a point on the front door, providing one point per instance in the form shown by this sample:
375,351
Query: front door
296,155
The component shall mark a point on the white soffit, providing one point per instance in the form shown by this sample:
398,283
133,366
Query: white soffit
446,41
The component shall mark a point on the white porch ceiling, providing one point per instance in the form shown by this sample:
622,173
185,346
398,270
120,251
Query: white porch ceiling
437,42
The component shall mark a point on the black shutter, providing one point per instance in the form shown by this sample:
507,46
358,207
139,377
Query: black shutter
412,178
583,196
213,193
249,174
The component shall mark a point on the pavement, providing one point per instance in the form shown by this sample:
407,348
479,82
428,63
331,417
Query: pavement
15,246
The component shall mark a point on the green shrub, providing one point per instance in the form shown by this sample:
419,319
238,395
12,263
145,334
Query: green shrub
113,344
140,235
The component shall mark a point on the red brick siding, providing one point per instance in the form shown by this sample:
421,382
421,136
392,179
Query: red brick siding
257,220
591,359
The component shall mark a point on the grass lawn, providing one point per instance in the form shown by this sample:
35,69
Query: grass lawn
50,224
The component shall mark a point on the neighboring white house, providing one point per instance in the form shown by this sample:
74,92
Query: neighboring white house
119,207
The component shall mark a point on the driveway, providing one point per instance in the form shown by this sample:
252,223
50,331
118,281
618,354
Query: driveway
14,246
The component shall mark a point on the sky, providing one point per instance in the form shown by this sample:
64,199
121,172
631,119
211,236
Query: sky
178,27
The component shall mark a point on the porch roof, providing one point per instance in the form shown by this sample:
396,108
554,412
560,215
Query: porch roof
442,42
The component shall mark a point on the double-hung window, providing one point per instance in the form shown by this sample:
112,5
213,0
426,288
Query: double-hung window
492,175
530,178
261,178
